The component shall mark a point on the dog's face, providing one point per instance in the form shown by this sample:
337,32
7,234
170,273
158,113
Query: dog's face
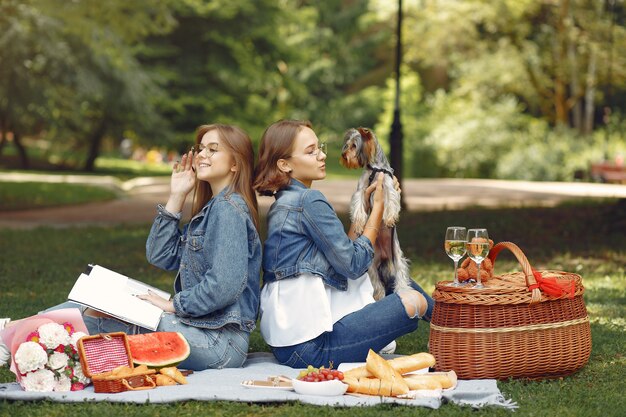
359,148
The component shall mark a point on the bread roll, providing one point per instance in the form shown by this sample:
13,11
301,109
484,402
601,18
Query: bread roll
175,374
382,370
164,380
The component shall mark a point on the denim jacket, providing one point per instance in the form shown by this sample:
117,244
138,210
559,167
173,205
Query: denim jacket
218,258
305,236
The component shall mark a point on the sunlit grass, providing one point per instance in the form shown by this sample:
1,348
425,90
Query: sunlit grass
47,261
28,195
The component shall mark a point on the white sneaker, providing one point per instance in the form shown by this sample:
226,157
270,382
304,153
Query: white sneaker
389,349
5,353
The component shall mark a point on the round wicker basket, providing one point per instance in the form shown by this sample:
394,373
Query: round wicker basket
510,328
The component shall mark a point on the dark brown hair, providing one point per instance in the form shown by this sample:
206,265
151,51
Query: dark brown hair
238,143
277,143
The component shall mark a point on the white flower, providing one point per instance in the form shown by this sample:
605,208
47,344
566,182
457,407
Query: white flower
63,383
78,374
57,361
41,380
30,356
52,335
74,338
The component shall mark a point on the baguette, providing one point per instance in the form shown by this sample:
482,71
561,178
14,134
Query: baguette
402,364
381,369
434,380
375,386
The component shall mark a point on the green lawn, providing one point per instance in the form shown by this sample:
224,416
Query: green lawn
29,195
38,267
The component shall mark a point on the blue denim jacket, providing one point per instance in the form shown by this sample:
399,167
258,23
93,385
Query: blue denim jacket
304,234
218,258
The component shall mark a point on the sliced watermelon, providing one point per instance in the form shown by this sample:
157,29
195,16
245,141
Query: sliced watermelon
158,349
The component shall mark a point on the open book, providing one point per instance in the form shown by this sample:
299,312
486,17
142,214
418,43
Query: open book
115,294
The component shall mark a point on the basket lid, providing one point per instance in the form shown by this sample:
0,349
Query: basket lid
104,352
527,287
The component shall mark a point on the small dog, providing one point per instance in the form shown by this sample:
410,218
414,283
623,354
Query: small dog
389,270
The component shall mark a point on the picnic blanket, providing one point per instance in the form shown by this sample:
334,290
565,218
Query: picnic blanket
225,385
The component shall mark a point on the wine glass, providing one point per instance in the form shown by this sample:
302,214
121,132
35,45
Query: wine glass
456,238
477,249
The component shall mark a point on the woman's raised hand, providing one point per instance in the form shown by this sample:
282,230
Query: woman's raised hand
183,176
379,198
373,187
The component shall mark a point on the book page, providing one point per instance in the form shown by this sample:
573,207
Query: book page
109,292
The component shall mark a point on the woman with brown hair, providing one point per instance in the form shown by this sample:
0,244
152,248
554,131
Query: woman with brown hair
217,254
317,302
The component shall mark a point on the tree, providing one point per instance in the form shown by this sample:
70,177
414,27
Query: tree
544,52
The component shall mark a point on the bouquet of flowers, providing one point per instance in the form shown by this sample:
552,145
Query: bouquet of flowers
44,351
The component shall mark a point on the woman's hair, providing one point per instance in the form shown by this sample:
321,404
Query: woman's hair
276,143
238,143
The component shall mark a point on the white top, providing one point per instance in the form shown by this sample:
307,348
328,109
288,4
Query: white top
299,309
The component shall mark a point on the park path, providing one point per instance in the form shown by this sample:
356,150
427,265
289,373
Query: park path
139,196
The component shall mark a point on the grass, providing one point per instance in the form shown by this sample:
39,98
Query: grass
29,195
38,267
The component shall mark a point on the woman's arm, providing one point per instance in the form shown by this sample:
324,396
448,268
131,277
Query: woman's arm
163,244
373,216
320,222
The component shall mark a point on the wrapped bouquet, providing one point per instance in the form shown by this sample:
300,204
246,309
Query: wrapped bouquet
44,351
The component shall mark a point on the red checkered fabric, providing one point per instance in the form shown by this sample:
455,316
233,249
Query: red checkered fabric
104,355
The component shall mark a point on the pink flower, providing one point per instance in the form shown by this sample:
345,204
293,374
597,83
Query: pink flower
33,337
60,349
77,386
69,328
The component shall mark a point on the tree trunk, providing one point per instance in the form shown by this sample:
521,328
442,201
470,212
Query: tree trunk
94,145
577,111
21,150
590,92
3,139
559,53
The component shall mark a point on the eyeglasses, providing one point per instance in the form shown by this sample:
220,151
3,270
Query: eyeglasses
317,151
211,148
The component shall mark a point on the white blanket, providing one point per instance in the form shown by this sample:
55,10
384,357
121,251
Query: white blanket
225,384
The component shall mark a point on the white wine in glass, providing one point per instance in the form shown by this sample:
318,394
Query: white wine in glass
456,238
477,249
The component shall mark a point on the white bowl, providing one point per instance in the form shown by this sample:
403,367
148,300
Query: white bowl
326,388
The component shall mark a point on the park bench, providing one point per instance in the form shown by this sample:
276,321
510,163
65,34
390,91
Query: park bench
608,172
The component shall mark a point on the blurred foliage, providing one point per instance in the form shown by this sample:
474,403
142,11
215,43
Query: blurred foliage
532,89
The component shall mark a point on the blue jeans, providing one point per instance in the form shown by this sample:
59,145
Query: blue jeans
372,327
225,347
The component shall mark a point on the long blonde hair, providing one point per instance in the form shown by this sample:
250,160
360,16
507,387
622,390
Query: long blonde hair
239,144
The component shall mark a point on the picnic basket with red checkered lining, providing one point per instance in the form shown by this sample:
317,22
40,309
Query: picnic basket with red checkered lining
105,352
530,324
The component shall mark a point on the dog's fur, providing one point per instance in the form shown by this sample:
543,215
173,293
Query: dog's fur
389,270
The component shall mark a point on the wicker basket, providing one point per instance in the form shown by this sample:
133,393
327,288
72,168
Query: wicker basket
105,352
510,328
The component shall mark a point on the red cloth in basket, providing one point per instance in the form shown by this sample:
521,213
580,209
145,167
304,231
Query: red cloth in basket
103,355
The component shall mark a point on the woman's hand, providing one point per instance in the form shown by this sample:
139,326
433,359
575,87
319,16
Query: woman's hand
182,182
379,198
183,176
373,187
154,299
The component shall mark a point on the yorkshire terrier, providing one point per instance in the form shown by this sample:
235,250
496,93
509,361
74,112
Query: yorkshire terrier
389,270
